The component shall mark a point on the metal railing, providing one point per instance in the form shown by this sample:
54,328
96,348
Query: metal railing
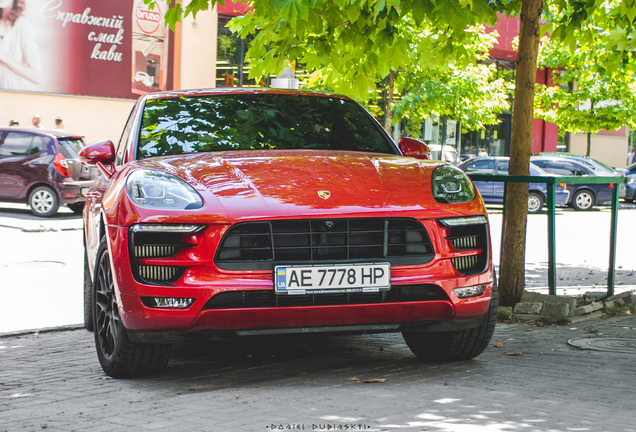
551,183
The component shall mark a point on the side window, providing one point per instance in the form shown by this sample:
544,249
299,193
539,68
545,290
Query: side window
502,167
563,168
121,146
542,163
483,166
16,144
37,145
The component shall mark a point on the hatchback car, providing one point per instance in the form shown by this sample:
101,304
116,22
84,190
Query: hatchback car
630,188
230,212
493,192
582,196
41,168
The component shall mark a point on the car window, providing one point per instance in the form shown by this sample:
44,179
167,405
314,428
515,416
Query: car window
257,122
565,168
542,163
38,144
502,166
480,165
18,144
70,147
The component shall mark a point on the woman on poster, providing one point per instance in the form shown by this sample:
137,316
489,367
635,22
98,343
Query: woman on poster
19,55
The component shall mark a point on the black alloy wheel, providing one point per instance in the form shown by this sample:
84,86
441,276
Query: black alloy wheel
119,356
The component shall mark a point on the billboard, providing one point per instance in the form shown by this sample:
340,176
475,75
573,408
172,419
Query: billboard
84,47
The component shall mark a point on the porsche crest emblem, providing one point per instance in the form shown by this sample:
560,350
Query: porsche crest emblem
324,194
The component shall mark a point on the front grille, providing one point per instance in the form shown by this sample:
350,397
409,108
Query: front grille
470,238
259,245
153,246
268,298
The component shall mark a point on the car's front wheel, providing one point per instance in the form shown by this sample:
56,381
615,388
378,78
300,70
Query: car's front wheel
43,201
76,208
119,356
535,202
88,295
583,200
454,345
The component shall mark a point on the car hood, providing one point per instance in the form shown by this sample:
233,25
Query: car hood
279,183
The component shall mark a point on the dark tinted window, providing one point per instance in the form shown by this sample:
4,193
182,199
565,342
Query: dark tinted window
257,122
480,165
19,144
565,168
541,163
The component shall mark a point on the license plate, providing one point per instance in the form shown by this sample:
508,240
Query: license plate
84,191
329,279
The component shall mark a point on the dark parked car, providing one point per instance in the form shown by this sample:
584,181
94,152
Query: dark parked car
41,168
493,192
582,196
222,213
630,188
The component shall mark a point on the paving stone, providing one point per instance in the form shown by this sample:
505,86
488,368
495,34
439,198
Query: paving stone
587,317
528,308
555,309
615,303
582,310
623,296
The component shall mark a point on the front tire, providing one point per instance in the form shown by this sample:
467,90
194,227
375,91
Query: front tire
456,345
43,201
88,296
535,202
118,355
583,200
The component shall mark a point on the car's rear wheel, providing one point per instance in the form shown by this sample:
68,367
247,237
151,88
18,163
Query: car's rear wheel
454,345
118,355
535,202
583,200
43,201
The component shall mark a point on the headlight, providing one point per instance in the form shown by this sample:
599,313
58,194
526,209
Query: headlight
161,191
451,185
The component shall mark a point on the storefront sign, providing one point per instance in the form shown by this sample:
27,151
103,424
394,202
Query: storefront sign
87,47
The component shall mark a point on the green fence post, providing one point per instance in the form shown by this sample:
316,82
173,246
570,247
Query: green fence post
612,251
551,238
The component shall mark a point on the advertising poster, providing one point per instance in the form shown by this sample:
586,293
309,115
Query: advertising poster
83,47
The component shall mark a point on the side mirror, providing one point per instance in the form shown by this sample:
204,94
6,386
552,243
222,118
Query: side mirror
101,154
414,148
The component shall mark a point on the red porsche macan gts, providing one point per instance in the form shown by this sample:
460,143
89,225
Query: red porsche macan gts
222,213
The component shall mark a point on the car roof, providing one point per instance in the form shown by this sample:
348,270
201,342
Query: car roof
238,90
57,133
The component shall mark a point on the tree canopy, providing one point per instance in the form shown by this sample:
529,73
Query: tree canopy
363,41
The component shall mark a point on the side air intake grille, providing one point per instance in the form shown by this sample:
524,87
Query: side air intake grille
259,245
472,239
267,298
151,256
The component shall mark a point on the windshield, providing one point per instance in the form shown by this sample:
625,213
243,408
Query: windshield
257,122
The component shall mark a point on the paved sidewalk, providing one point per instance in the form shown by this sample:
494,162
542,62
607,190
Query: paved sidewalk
52,381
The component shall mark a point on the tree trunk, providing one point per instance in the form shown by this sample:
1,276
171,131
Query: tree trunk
513,253
589,134
388,108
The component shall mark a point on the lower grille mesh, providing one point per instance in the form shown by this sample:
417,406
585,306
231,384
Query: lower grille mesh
268,298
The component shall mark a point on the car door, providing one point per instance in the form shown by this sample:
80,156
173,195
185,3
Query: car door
20,164
482,166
